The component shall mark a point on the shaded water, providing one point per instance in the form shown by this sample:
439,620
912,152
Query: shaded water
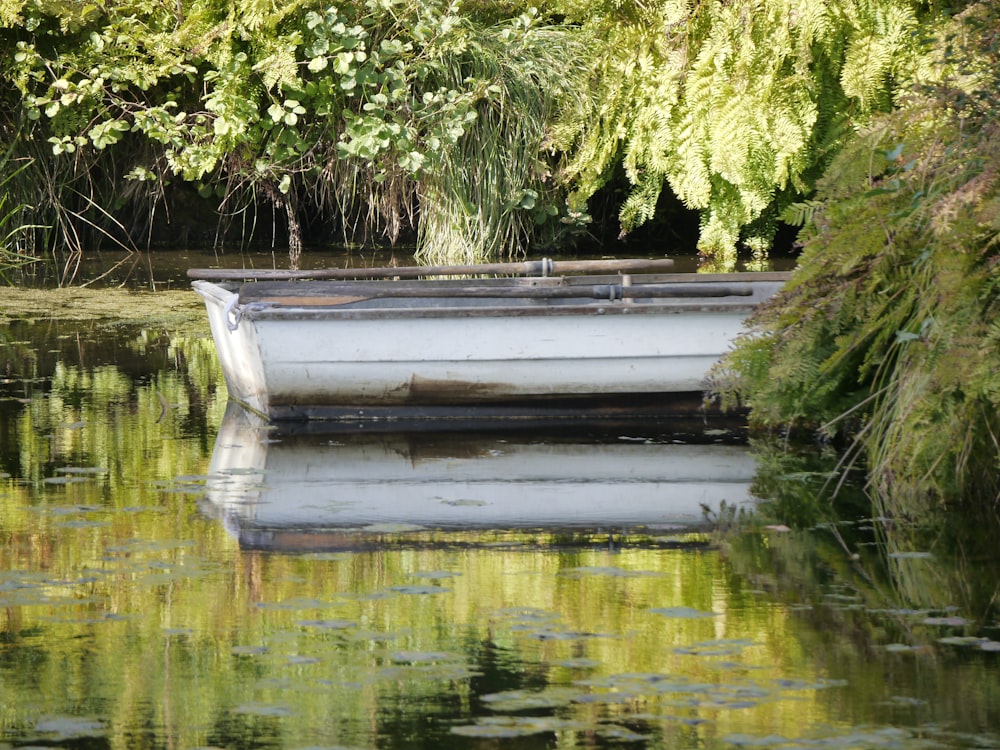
175,575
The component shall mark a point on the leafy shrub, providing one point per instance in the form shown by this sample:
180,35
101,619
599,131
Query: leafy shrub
892,323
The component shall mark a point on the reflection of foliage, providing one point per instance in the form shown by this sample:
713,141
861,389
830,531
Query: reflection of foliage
121,602
801,486
893,320
915,599
818,531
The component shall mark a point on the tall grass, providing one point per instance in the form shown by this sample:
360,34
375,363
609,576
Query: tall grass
496,186
14,253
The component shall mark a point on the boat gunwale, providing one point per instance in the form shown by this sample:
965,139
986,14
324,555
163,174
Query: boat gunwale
256,311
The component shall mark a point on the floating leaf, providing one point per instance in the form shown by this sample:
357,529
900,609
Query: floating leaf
947,621
747,740
327,624
523,700
621,734
65,480
503,727
416,657
435,575
303,660
70,727
613,571
684,613
963,641
263,709
904,700
81,524
295,603
548,634
579,663
419,590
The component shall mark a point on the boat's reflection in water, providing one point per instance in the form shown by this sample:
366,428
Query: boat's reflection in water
327,487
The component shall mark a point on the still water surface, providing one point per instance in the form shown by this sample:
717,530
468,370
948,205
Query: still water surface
174,574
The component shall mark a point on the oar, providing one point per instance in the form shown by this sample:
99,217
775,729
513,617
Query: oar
299,295
544,267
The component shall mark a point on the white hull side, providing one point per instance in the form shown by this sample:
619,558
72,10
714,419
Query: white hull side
286,361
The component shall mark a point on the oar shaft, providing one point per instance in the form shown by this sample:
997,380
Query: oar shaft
544,267
296,294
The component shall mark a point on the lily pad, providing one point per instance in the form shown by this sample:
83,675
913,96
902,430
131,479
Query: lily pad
578,663
719,647
69,727
947,621
620,734
419,590
963,641
435,575
504,727
263,709
81,524
683,613
747,740
525,700
327,624
609,570
416,657
548,634
295,603
249,650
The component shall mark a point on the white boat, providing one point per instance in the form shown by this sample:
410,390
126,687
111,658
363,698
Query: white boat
303,348
322,491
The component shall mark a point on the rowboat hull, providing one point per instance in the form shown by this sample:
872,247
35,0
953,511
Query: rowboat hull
332,351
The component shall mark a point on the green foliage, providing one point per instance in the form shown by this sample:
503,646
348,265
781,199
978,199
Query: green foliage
734,106
483,126
892,323
370,113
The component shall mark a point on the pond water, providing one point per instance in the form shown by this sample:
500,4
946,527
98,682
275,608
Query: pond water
174,574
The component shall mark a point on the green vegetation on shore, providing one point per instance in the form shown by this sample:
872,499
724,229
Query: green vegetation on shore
890,331
474,129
